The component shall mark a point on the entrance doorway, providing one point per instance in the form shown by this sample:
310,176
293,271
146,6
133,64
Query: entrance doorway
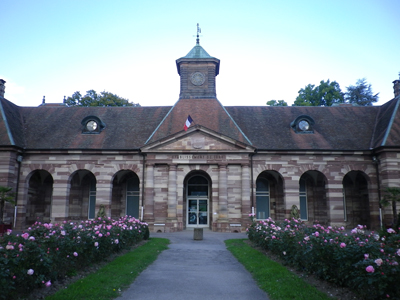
197,212
197,202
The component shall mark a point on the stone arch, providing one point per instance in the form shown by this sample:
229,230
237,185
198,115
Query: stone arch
191,176
40,193
356,199
313,200
270,196
125,194
82,195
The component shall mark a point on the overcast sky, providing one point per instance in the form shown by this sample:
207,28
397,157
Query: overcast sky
268,49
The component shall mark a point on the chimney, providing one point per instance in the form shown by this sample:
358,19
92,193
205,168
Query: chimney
396,87
2,87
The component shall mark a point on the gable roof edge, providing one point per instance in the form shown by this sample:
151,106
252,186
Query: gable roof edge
223,107
162,121
372,142
6,124
391,122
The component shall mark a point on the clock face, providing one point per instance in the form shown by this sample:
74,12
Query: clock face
304,125
91,125
197,78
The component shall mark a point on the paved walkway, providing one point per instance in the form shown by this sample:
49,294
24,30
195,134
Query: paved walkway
194,270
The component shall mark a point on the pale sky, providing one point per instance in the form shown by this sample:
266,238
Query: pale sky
268,49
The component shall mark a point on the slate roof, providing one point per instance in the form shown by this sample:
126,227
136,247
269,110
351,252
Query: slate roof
387,130
264,127
206,112
59,127
335,128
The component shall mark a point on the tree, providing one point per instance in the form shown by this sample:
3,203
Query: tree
93,99
326,94
277,103
391,196
5,196
360,94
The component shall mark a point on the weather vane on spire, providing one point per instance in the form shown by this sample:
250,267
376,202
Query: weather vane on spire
198,31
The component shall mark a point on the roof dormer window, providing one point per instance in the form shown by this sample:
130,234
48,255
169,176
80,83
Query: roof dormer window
303,124
92,125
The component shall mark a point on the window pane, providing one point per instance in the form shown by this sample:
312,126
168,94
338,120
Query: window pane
198,180
262,184
132,184
262,203
303,208
197,190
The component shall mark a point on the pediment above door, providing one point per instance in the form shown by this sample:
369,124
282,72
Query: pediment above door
197,139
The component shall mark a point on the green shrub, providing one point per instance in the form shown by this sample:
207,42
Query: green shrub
47,252
345,259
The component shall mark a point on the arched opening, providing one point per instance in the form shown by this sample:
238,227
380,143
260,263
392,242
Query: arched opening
269,196
356,199
125,195
82,196
312,196
197,202
40,193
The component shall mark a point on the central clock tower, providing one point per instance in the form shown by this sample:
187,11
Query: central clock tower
197,71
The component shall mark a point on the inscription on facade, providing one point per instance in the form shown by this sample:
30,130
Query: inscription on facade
199,156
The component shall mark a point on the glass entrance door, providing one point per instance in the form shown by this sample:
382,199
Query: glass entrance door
197,212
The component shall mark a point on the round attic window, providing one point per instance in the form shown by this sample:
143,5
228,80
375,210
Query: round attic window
91,125
304,125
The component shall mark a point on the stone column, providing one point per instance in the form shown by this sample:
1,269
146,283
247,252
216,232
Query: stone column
334,194
246,194
148,202
60,201
291,194
172,197
103,194
222,194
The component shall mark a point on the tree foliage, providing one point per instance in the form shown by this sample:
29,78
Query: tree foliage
326,94
277,103
93,99
361,94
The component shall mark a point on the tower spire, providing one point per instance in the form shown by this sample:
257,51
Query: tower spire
198,31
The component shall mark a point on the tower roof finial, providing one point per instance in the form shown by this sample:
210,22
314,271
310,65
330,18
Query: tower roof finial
198,31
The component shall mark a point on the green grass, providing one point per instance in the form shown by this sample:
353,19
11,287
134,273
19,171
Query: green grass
278,282
107,282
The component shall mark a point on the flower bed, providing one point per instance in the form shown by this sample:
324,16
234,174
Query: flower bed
47,252
366,262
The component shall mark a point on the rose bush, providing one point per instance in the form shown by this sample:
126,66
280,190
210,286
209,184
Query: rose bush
364,261
46,252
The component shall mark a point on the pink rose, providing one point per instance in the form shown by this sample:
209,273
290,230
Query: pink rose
370,269
342,245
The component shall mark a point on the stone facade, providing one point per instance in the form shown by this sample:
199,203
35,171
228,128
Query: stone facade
232,161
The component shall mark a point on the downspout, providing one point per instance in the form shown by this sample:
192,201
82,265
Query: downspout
19,161
143,172
376,162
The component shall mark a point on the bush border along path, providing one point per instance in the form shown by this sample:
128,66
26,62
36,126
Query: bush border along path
110,280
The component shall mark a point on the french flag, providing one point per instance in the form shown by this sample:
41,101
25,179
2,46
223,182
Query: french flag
188,122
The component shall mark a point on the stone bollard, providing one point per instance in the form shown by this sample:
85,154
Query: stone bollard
198,234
